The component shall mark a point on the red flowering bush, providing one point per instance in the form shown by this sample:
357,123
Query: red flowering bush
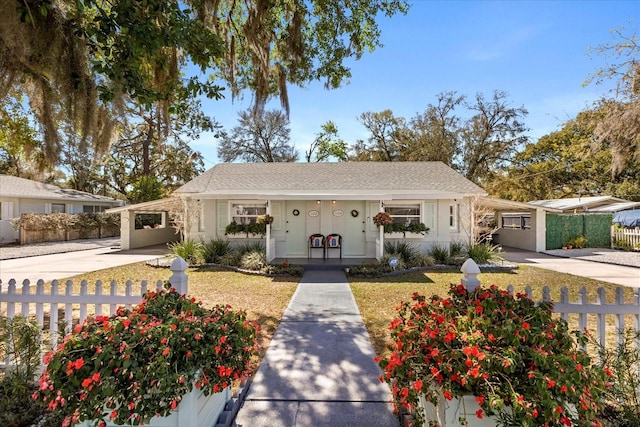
514,355
139,363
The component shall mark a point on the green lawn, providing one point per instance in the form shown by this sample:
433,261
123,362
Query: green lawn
378,298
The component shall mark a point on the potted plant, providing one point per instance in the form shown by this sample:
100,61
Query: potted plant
265,219
139,363
381,219
512,357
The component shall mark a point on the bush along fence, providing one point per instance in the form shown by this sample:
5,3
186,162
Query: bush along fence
625,238
55,227
98,373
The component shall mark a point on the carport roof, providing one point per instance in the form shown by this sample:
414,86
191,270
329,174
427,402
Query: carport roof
510,205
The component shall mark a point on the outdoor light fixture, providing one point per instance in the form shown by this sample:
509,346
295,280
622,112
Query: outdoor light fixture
318,201
333,201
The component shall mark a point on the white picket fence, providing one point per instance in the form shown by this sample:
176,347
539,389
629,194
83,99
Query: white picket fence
583,308
76,306
625,238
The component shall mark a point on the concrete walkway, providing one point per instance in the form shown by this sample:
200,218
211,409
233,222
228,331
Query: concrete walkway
319,369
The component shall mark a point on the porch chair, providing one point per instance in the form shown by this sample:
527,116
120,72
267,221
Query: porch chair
334,241
316,241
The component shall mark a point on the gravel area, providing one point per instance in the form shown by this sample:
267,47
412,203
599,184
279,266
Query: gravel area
607,256
17,251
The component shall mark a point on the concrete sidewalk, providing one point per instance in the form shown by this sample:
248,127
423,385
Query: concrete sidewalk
612,273
319,369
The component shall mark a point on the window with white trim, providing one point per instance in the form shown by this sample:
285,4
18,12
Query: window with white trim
453,217
93,208
247,213
516,221
58,207
404,213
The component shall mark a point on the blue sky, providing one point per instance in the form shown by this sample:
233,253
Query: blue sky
536,51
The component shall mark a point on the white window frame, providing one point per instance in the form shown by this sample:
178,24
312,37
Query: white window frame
250,216
454,213
55,208
408,205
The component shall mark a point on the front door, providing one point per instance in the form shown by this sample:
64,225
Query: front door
296,228
354,227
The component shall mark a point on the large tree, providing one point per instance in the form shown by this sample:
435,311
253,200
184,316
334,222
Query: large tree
261,136
76,59
491,137
620,125
565,163
271,44
388,140
327,145
435,134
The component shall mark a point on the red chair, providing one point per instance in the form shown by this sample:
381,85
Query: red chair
316,241
334,241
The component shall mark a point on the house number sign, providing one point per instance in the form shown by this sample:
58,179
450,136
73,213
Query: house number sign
313,213
338,212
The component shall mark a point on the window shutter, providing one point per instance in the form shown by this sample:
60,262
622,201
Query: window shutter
7,210
429,215
47,208
374,208
223,215
276,213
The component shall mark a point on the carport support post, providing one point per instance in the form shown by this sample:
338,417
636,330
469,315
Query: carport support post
179,279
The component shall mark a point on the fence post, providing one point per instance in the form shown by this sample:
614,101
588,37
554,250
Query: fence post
470,270
179,279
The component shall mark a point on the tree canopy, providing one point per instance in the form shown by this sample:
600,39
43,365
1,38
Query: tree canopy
76,59
261,136
619,126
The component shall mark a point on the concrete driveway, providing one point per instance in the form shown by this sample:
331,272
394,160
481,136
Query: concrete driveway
63,265
619,274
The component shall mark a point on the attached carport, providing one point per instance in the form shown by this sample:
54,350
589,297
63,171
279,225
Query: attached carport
148,223
529,234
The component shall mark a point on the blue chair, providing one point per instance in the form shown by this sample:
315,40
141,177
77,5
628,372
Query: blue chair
316,241
334,241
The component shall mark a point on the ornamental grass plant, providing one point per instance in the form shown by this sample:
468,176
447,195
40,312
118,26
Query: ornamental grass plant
138,363
519,361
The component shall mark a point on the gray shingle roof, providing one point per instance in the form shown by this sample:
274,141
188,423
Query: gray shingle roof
366,178
13,186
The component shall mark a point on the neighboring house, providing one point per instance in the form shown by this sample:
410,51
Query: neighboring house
325,198
19,195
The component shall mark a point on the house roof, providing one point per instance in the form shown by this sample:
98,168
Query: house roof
15,187
385,180
590,204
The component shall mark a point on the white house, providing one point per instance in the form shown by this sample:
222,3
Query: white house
20,195
328,198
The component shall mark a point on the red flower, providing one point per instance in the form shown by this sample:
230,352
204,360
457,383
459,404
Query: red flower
479,413
417,385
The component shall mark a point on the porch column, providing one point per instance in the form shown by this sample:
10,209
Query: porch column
267,244
380,248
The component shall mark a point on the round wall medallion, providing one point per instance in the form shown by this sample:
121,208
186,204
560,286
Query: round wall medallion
355,213
296,212
338,212
314,213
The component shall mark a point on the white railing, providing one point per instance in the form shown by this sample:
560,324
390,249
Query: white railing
77,306
627,238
